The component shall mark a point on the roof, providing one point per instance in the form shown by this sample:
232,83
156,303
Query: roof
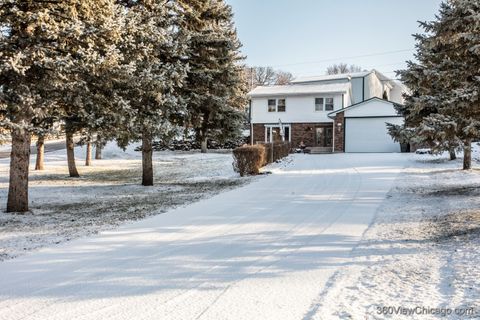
332,77
292,89
333,113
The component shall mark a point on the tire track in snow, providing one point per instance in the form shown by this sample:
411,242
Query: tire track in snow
126,264
262,269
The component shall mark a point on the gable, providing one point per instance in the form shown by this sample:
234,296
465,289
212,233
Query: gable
372,108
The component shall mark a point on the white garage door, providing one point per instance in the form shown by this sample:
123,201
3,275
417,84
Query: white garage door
370,135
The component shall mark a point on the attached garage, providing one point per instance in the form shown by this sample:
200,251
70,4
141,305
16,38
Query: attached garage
364,126
370,135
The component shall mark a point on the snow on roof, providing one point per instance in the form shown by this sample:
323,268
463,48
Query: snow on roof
358,104
332,77
293,89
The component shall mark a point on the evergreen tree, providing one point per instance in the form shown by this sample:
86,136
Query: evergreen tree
29,55
153,48
215,88
46,49
88,96
444,102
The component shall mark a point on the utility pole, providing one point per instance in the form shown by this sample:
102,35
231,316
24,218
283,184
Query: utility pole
252,69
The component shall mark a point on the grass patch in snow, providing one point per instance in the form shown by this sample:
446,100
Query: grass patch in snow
461,225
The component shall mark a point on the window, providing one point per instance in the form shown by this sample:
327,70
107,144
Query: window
318,104
286,131
272,105
281,105
329,104
273,133
275,105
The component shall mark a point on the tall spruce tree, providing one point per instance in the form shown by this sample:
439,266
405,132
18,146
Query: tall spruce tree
153,48
215,88
88,96
46,48
29,58
444,104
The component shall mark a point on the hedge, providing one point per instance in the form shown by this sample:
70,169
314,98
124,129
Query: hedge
280,151
249,159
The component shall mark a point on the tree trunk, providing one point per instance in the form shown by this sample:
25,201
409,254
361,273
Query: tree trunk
453,155
88,160
19,163
98,148
204,145
147,165
467,155
72,168
185,133
39,164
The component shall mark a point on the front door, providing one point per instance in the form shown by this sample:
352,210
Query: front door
324,136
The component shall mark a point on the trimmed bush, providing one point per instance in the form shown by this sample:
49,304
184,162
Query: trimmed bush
280,151
249,159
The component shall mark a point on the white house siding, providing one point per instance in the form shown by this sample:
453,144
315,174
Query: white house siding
373,87
372,108
299,109
396,94
357,90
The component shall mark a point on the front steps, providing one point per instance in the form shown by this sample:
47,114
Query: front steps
319,150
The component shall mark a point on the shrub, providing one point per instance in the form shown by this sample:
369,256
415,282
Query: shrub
249,159
280,150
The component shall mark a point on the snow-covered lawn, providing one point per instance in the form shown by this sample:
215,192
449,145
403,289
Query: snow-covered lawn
421,252
107,194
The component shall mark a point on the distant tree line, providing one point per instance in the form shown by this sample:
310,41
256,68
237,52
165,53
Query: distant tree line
124,70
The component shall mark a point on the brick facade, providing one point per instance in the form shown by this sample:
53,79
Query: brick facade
258,133
303,131
299,132
339,136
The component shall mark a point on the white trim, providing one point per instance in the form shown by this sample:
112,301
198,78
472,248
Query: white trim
333,137
325,97
298,90
276,105
269,128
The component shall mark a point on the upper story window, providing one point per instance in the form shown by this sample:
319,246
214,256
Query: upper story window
318,104
328,104
282,106
324,104
277,105
272,105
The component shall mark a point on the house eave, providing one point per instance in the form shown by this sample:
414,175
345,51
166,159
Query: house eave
332,114
271,95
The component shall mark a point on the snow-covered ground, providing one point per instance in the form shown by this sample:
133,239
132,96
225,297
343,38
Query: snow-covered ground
342,236
421,252
266,250
107,194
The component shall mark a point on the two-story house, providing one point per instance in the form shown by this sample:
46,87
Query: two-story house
340,113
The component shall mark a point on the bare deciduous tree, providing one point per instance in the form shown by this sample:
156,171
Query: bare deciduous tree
342,68
283,78
266,76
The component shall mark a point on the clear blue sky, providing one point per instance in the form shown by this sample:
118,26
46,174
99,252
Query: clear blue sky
287,33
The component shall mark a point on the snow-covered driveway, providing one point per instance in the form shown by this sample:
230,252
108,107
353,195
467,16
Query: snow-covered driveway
268,250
